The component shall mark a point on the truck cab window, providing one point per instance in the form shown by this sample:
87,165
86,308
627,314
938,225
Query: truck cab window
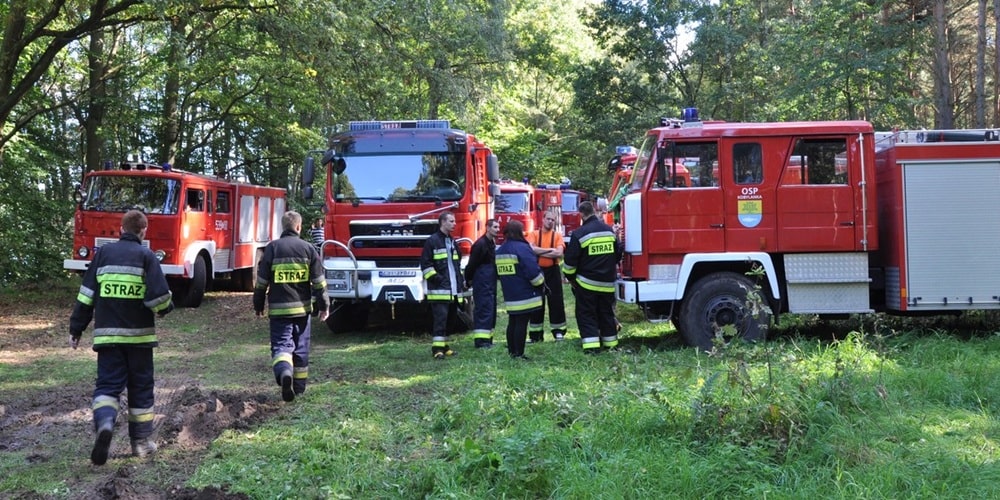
222,202
694,164
748,168
817,162
195,200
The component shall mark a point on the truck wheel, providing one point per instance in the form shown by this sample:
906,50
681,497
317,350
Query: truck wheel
191,292
248,277
718,300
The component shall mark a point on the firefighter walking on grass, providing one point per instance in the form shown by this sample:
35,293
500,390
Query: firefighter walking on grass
441,262
590,265
291,278
121,291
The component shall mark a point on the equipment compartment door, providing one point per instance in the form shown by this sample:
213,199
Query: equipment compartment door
815,200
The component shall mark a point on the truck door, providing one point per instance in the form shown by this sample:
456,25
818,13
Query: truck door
684,216
750,173
223,222
815,200
195,214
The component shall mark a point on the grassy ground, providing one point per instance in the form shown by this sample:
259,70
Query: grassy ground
876,414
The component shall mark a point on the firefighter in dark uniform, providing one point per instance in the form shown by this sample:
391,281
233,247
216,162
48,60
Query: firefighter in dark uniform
122,289
590,264
481,274
441,262
290,276
522,282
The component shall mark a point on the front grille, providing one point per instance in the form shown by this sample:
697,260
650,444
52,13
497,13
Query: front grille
392,229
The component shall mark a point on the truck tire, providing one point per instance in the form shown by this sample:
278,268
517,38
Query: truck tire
248,277
718,300
190,293
346,316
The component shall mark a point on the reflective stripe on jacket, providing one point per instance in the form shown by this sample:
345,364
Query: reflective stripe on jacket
291,275
443,275
121,290
592,256
520,277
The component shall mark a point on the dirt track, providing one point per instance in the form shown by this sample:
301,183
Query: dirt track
55,424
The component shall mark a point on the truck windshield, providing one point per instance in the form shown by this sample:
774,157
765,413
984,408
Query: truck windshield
642,163
154,195
512,203
401,177
570,202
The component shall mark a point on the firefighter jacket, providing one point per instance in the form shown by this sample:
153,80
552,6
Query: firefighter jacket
482,256
591,259
122,289
291,276
441,262
520,277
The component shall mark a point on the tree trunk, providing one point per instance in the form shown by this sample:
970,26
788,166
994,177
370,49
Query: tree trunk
171,121
944,96
97,71
981,65
996,63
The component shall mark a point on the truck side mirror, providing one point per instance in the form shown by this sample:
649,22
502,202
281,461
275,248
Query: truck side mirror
339,165
614,163
493,169
307,192
661,166
494,190
309,171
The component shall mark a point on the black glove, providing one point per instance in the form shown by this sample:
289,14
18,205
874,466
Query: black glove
74,339
164,312
258,303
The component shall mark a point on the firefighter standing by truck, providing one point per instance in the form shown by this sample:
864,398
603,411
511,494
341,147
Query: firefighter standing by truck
590,265
522,282
548,245
441,261
291,278
121,290
481,274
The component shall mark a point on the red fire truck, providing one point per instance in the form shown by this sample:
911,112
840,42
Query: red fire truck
565,201
517,201
839,220
386,184
200,227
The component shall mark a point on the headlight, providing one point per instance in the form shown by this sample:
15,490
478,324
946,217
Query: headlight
338,280
160,255
83,252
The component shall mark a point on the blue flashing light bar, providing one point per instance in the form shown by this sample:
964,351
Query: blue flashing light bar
690,115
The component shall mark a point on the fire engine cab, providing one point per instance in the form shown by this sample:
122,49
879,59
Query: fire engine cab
836,218
516,201
386,183
200,227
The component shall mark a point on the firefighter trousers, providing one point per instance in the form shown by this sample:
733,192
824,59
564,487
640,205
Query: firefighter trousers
595,316
119,368
290,349
484,300
555,304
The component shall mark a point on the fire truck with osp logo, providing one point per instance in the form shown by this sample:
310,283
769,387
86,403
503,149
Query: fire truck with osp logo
201,227
833,217
386,183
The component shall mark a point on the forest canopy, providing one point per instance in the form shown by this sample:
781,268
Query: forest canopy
246,89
